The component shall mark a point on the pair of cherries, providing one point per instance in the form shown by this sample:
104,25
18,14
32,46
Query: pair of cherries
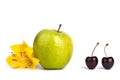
92,61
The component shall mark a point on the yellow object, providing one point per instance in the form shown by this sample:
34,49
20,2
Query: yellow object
22,57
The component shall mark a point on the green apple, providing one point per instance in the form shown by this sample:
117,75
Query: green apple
53,48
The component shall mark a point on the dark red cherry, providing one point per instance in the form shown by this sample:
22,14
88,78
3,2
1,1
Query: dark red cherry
107,62
92,61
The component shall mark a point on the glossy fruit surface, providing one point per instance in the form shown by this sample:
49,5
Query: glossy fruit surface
91,62
107,62
53,49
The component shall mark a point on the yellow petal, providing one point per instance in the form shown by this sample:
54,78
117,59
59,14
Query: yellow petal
23,56
9,59
12,61
19,61
29,52
35,61
19,47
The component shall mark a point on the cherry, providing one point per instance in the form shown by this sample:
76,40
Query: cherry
92,61
107,62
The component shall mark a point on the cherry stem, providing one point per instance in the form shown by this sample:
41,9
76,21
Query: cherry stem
59,27
105,51
94,48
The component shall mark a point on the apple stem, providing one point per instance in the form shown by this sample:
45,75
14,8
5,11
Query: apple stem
94,48
105,51
59,27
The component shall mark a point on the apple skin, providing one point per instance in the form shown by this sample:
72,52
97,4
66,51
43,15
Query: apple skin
53,49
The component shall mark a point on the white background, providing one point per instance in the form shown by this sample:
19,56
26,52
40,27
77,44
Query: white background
86,21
